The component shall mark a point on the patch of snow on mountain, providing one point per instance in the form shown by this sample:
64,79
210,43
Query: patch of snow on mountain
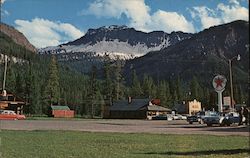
113,48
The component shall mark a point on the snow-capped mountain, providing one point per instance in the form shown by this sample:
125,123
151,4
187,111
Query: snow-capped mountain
116,41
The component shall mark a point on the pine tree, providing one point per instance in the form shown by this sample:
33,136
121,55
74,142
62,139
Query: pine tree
119,82
178,88
93,89
168,95
136,90
19,86
52,87
35,96
195,89
162,93
147,86
108,87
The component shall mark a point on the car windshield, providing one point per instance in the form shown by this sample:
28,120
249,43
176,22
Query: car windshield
211,113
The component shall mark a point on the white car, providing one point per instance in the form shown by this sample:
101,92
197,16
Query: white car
183,117
177,117
169,117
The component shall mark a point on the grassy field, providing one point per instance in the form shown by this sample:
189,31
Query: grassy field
67,144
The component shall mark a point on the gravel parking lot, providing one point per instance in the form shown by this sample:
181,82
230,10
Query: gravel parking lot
124,126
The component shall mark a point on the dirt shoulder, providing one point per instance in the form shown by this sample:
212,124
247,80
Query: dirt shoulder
124,126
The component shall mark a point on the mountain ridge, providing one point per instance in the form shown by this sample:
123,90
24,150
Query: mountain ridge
205,54
17,36
118,41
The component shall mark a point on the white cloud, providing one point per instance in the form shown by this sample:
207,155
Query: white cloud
42,32
170,21
139,16
222,14
233,12
207,16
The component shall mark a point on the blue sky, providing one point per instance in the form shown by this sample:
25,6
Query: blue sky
52,22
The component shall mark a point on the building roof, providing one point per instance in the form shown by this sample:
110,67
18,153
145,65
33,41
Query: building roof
123,105
157,108
180,108
136,104
57,107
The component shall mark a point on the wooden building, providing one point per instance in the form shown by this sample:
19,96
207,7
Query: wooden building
133,109
190,108
9,101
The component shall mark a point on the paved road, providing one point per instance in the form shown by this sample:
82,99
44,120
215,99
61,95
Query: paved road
124,126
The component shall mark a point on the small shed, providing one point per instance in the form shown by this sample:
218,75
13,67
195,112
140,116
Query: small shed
61,111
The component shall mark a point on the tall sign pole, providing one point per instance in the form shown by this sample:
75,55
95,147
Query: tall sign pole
219,83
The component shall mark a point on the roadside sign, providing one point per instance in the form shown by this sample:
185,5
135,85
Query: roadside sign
219,83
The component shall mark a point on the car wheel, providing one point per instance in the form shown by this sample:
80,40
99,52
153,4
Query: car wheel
209,124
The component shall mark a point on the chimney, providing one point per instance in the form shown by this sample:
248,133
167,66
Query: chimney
129,99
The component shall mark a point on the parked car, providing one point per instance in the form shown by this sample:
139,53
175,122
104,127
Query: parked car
177,117
212,117
198,117
10,115
192,118
159,117
231,118
169,117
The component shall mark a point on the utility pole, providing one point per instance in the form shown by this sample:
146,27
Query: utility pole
5,73
231,79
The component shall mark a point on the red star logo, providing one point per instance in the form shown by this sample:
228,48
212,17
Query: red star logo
219,82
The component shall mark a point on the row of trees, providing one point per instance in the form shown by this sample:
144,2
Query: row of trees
43,82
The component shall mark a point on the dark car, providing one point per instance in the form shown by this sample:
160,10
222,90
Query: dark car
198,117
231,118
212,117
160,117
192,118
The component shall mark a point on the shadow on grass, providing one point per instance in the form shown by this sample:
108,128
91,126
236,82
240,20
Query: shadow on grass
202,153
215,128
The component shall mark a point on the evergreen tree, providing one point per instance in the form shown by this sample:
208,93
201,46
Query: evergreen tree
136,90
35,96
163,93
108,87
238,96
148,87
178,88
19,86
195,89
168,95
119,82
93,89
52,87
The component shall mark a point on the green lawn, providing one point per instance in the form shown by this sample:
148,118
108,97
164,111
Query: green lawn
69,144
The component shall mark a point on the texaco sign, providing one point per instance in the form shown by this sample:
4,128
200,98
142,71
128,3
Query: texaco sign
219,83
